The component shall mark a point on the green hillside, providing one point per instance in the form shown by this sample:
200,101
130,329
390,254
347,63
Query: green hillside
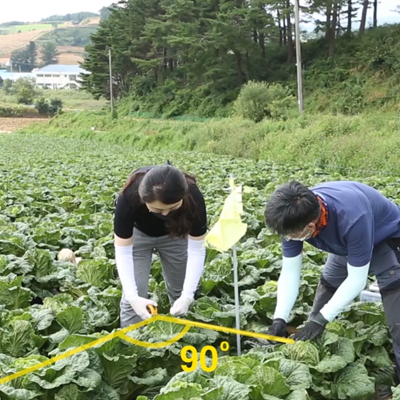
363,75
5,30
64,30
69,36
195,57
74,17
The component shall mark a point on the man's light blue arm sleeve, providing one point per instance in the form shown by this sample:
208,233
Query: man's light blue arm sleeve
346,292
288,286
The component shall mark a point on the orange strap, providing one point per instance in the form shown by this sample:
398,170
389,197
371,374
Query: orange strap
323,218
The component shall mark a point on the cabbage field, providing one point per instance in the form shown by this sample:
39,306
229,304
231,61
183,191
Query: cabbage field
58,193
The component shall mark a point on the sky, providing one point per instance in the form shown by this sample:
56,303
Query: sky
35,10
386,15
385,12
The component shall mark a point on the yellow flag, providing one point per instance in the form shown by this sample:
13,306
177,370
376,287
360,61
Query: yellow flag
229,228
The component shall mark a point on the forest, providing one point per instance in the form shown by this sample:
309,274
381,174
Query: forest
193,57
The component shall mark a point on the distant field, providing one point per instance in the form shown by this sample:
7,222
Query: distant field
72,99
91,21
77,36
13,41
70,39
71,49
69,58
25,28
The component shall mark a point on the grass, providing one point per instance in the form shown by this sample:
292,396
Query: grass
24,28
17,111
74,35
368,142
18,36
14,41
72,99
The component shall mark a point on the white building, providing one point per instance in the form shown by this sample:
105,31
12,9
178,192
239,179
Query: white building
59,76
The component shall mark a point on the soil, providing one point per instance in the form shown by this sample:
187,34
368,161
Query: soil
8,125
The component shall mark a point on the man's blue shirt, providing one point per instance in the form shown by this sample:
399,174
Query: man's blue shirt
359,217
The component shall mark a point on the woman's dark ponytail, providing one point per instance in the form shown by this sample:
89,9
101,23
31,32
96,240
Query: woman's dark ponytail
168,185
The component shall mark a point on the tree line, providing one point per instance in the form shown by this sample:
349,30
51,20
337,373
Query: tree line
32,56
197,48
76,17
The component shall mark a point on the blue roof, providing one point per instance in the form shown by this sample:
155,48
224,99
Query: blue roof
16,75
57,68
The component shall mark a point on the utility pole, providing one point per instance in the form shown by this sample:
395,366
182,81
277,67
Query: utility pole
111,84
298,56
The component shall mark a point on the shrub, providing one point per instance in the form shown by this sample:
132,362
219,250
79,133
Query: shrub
258,100
7,86
25,91
55,106
50,108
24,97
42,106
17,111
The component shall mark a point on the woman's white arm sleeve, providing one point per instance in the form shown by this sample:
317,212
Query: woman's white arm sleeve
350,288
288,286
194,266
124,261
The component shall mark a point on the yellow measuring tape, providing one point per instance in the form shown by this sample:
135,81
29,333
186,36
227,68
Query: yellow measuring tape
121,334
154,311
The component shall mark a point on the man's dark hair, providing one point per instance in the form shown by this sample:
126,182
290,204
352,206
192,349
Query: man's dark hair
290,208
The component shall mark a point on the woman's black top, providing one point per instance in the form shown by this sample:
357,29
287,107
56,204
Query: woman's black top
130,214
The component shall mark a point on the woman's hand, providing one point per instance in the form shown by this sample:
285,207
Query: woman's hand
181,305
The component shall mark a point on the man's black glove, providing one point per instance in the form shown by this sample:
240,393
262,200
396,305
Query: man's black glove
277,328
313,329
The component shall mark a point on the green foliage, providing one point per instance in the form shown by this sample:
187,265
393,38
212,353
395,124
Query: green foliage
7,86
15,111
24,90
51,306
76,17
258,100
69,36
49,53
316,139
364,75
183,74
20,92
25,59
71,99
194,58
18,27
11,23
50,107
55,107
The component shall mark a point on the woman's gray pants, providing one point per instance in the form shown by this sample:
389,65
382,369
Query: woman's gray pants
173,255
